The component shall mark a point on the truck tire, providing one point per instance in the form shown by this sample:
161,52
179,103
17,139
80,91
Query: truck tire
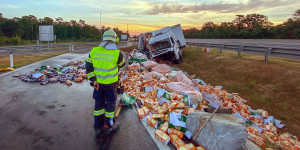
177,61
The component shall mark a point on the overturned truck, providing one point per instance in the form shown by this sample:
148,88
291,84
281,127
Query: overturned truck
166,43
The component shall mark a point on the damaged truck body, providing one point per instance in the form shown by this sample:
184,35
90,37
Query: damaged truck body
165,43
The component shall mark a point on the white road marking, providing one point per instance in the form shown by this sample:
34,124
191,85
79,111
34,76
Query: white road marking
151,131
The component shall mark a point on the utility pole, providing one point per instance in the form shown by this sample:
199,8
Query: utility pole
100,27
127,31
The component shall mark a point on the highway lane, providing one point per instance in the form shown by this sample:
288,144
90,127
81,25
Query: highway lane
56,116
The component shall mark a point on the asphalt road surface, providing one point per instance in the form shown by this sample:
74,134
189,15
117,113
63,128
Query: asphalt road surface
59,117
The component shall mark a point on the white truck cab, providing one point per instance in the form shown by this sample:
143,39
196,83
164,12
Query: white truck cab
166,41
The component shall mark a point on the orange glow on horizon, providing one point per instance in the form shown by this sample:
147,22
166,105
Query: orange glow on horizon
137,29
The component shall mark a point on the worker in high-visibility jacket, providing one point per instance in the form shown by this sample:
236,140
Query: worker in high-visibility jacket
102,68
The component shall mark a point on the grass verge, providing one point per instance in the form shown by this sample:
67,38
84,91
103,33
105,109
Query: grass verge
26,59
273,86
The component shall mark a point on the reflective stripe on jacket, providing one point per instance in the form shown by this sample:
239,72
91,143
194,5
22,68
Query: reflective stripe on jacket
105,64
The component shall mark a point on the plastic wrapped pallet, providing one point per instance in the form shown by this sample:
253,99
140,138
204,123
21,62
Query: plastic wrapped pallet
183,89
162,68
179,76
149,64
148,76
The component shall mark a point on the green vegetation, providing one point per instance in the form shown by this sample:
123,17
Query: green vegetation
26,59
24,30
251,26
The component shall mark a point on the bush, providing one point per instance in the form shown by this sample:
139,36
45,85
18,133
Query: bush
3,40
15,40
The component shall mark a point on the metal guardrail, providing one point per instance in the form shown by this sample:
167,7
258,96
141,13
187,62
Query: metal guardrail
266,49
46,48
39,49
10,50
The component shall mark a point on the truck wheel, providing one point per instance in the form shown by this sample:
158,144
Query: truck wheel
177,61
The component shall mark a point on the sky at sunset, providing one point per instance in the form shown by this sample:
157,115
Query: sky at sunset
148,15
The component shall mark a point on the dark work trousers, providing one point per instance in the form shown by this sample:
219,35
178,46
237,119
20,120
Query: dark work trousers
105,100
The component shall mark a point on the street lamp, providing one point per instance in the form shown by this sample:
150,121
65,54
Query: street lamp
100,27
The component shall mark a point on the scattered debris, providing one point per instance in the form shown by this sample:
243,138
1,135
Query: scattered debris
73,71
172,95
6,69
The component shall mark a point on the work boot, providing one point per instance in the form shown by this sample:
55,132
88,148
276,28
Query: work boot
108,130
99,132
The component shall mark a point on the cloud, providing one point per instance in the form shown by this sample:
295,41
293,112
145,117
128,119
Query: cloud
219,7
10,6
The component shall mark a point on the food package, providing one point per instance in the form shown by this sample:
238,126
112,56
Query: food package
180,105
252,130
161,110
69,83
79,79
134,66
164,127
287,140
154,107
200,147
174,137
156,75
148,76
166,117
128,99
162,68
146,110
270,136
263,113
179,76
177,121
149,64
256,139
141,113
52,80
191,146
163,137
184,147
163,96
172,105
188,110
176,97
155,116
163,79
174,131
183,89
177,110
83,75
187,100
177,143
165,106
151,94
151,122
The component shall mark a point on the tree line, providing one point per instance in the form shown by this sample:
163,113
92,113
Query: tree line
254,26
24,30
16,31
